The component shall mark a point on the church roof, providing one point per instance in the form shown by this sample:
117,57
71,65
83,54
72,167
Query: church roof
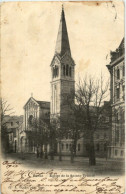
42,104
62,43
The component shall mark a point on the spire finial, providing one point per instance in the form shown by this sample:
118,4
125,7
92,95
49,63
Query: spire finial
62,7
62,43
32,95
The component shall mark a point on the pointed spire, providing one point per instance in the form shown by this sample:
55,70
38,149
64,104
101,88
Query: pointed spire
62,43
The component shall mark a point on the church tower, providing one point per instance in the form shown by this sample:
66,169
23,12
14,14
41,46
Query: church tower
62,70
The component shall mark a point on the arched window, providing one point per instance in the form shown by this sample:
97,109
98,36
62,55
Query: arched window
70,71
118,74
64,70
67,70
79,147
66,146
57,71
30,120
53,72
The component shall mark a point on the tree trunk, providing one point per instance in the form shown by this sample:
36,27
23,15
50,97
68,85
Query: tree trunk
46,155
60,151
92,160
51,151
37,152
72,154
41,153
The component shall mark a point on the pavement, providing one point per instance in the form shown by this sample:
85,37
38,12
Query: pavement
103,167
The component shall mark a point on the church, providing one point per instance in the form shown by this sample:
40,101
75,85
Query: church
62,85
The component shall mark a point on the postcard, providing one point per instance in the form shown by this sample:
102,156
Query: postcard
62,97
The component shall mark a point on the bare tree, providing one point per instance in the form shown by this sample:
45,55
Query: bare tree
91,94
87,108
5,109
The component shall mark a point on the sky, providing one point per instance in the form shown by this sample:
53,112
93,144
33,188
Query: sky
28,38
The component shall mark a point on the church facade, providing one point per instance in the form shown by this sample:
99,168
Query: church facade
34,112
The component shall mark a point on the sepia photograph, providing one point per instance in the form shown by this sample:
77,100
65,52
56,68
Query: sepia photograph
62,97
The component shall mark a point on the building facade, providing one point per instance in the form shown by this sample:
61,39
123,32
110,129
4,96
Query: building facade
12,124
34,112
117,93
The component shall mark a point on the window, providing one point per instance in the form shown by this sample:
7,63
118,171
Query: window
67,70
118,74
118,93
117,117
62,146
54,74
116,152
55,71
30,120
64,70
11,123
117,135
70,71
66,146
97,147
121,153
79,147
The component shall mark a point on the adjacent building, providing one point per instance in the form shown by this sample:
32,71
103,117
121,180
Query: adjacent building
117,93
12,124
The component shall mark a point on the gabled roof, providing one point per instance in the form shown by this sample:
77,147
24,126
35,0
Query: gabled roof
30,99
42,104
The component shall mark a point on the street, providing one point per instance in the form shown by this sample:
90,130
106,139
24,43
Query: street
103,167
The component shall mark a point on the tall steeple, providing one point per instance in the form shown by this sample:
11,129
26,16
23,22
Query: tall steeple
62,43
62,69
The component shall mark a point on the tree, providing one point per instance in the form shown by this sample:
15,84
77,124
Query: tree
52,136
6,110
59,130
87,107
38,134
